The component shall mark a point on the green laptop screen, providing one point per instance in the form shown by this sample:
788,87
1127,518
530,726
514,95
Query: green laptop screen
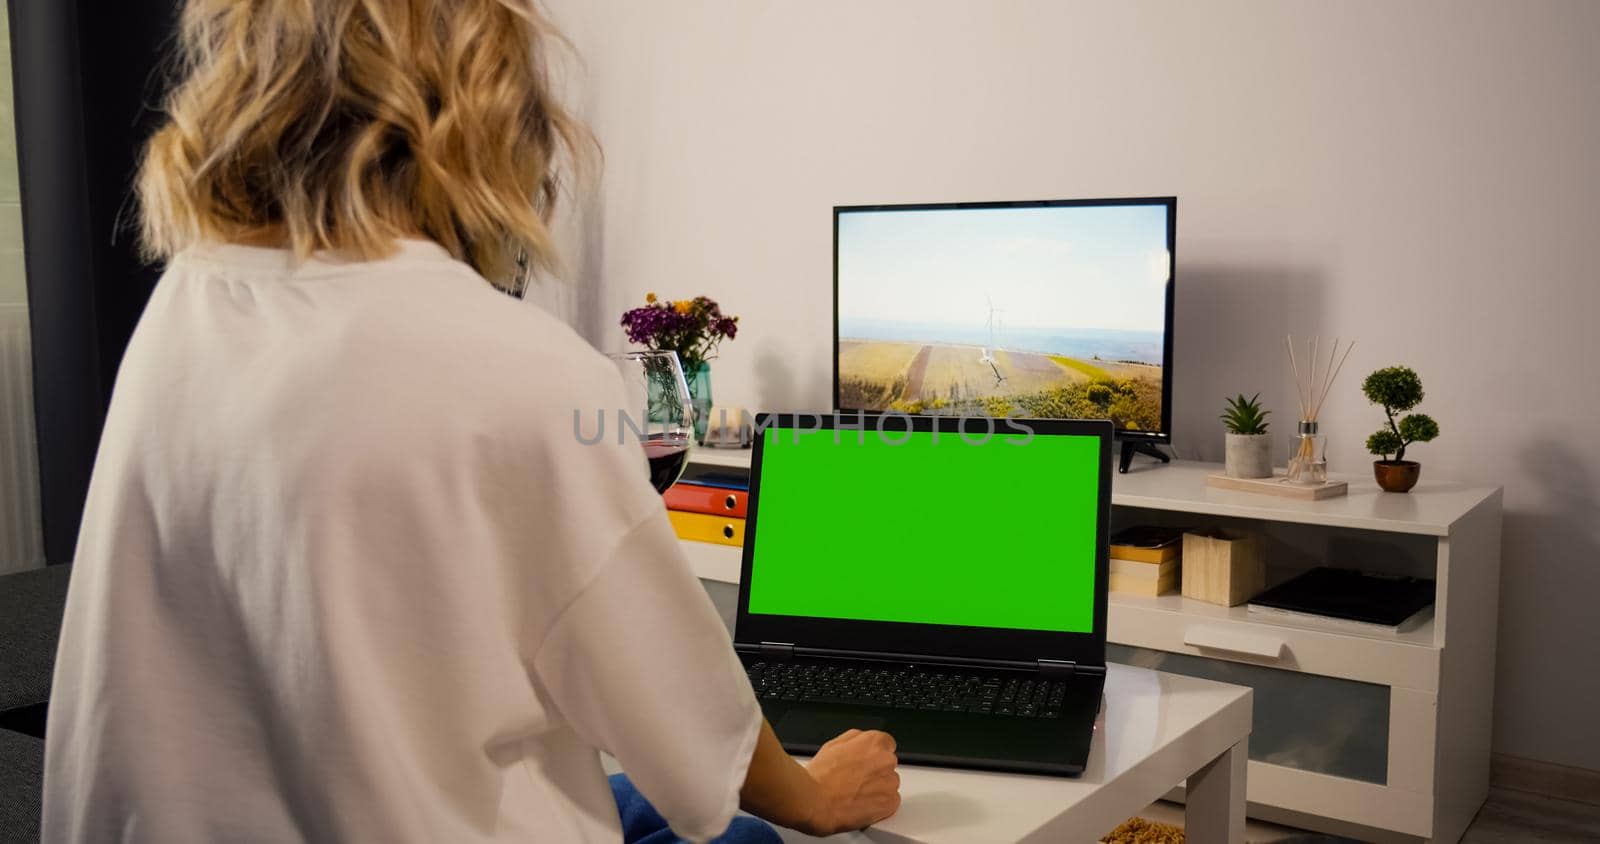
927,528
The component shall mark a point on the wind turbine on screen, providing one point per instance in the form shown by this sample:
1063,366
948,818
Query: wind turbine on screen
988,351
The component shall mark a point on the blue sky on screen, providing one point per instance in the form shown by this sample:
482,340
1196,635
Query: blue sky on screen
1047,268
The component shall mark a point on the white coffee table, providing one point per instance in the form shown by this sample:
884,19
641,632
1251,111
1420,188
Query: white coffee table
1156,731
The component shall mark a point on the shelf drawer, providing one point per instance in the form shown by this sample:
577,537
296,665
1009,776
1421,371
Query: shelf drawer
1177,624
1303,721
1325,746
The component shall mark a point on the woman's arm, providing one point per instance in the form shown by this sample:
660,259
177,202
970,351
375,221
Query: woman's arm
850,784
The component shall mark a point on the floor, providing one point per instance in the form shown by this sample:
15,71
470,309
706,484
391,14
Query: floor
1508,816
1520,816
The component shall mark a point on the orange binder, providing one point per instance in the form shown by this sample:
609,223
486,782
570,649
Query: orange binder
701,527
715,501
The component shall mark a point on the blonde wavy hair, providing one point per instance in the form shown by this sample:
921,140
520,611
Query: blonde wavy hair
343,125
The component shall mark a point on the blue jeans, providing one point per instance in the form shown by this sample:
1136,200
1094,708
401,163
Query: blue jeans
642,824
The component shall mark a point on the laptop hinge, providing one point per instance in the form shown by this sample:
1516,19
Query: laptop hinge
780,650
1057,667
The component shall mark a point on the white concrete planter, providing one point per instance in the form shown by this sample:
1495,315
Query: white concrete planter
1249,455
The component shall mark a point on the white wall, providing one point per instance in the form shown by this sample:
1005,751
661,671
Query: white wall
1421,176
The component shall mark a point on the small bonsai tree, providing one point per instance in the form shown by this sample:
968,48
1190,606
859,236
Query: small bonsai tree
1245,416
1398,389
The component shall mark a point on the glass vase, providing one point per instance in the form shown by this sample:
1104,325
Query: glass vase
1308,456
700,398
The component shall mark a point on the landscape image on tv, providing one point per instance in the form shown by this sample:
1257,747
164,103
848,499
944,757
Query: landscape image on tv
1043,312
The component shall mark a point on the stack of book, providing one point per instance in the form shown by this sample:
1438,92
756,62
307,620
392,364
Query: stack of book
708,504
1145,560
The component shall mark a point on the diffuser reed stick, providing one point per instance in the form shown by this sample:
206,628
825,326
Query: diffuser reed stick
1313,382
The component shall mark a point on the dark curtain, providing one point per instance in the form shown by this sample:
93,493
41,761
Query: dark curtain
86,86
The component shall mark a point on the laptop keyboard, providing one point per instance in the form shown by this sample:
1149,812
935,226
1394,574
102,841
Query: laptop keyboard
908,688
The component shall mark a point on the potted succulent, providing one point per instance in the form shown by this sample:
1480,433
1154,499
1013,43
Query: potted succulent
1249,448
1397,389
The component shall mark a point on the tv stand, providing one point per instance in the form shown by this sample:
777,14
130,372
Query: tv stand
1132,447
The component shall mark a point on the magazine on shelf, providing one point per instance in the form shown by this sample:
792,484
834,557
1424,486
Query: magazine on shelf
1348,599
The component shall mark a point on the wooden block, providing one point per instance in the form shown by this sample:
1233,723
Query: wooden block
1280,486
1223,568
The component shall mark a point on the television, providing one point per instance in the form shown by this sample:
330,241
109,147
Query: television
1048,309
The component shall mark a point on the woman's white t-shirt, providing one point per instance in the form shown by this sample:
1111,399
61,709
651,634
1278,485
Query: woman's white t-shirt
348,572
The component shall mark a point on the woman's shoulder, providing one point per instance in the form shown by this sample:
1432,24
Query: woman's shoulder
418,316
526,335
489,333
426,291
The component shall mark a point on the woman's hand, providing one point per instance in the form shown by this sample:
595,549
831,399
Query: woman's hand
850,784
857,781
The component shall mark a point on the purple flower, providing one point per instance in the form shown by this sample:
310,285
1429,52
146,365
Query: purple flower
652,324
690,327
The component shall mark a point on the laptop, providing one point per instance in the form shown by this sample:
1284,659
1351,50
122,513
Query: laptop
939,578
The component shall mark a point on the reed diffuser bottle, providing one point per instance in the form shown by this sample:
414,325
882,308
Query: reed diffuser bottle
1308,455
1308,458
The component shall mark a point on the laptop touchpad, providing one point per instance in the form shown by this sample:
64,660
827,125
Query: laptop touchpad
818,726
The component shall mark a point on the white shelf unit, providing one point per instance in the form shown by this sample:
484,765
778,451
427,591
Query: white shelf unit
1379,736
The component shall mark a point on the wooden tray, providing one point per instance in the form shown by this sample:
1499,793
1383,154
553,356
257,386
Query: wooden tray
1279,486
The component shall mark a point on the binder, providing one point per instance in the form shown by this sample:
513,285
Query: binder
701,527
719,476
711,500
